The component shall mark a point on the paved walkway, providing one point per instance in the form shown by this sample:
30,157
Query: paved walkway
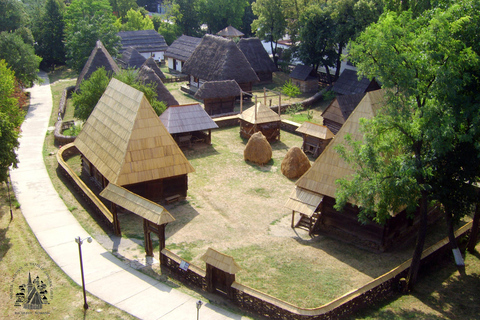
56,229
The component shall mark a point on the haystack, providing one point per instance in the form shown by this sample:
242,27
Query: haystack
258,150
295,163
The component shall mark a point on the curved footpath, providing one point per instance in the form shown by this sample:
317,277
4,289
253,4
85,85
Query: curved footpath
56,229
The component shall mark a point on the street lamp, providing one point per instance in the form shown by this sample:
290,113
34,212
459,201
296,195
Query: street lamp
80,241
199,305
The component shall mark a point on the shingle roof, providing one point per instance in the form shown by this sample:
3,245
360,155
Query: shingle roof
221,261
348,83
99,57
131,58
218,89
147,75
315,130
187,118
143,40
150,62
126,141
263,114
301,72
182,48
217,58
256,55
341,107
230,32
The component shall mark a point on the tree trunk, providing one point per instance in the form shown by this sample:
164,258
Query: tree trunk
472,242
329,76
421,235
451,237
339,61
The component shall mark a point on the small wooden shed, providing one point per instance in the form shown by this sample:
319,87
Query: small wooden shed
179,52
188,124
348,83
221,270
219,96
305,78
131,58
99,57
260,118
258,58
338,111
124,142
315,137
313,197
217,59
148,76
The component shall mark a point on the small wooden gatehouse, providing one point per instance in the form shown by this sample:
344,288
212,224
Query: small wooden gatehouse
149,43
179,52
305,78
131,58
188,124
219,96
124,142
338,111
99,57
314,195
217,59
258,58
315,137
348,83
259,117
220,273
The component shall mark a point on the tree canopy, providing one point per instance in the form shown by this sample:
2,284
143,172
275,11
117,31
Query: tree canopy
219,14
13,15
134,20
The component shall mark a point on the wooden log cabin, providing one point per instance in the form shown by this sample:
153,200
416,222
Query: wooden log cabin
124,142
258,58
313,198
338,111
315,138
219,96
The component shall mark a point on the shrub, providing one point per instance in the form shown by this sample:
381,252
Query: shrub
290,89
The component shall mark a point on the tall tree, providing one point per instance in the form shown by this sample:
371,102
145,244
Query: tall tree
426,62
121,7
134,20
184,14
10,119
12,15
270,24
247,19
49,34
219,14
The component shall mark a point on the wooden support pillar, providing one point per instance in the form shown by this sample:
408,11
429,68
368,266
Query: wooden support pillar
209,278
161,242
293,219
116,223
147,238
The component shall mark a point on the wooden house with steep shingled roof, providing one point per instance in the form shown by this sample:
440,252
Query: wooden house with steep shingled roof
314,194
99,57
124,142
348,83
217,59
338,111
188,124
149,76
219,96
260,118
150,62
179,52
149,43
304,78
315,137
258,58
131,58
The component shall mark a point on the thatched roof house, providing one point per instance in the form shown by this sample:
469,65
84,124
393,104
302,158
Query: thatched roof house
179,51
338,111
305,78
99,57
258,58
348,83
124,142
147,75
219,96
260,118
150,62
315,137
131,58
314,193
188,123
230,32
148,42
216,59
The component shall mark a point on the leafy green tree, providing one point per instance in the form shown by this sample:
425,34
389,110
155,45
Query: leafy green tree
49,34
91,90
10,120
185,15
12,15
219,14
271,23
247,19
317,47
20,57
134,21
430,63
169,31
81,9
121,7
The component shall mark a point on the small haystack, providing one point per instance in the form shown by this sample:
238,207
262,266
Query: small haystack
295,163
258,150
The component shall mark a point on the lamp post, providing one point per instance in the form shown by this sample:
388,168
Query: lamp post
80,241
199,305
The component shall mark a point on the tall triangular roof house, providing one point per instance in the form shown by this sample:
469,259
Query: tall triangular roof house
258,58
314,194
147,76
150,62
125,143
149,43
338,111
216,59
131,58
179,51
99,57
348,83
